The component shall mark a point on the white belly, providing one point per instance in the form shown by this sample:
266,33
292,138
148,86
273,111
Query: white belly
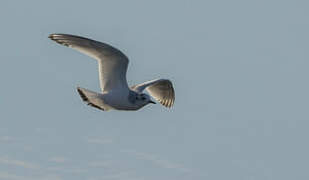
119,101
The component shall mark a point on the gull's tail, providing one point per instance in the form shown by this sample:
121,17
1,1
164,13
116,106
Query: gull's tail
91,98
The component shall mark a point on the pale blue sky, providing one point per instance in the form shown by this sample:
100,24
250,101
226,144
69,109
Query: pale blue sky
240,70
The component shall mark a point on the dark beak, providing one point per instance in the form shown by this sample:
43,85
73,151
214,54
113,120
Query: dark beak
150,101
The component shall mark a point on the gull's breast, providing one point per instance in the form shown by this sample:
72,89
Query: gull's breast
120,100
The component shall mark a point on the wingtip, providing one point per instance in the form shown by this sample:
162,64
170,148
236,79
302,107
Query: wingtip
51,36
55,37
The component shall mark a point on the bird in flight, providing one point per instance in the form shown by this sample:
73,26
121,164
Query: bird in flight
115,93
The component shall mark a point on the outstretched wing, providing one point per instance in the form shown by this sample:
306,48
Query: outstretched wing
113,63
160,89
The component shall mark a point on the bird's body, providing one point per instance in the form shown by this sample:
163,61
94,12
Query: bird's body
115,92
108,100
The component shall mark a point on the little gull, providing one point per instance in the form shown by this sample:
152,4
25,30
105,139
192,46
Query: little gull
115,92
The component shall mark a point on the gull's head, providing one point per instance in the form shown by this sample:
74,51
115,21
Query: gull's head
144,99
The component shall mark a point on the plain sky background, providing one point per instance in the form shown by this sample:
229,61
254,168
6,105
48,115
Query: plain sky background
240,70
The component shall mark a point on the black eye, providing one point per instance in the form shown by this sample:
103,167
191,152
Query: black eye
143,98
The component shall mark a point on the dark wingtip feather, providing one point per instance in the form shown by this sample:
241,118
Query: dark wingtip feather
82,95
52,36
85,99
58,40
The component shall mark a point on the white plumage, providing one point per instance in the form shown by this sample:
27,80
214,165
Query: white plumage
115,92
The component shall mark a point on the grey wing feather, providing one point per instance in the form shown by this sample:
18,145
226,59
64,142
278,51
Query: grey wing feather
87,100
160,89
112,62
91,98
